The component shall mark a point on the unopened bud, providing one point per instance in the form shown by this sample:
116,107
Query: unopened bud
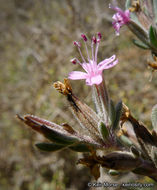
99,35
78,44
84,37
74,61
94,40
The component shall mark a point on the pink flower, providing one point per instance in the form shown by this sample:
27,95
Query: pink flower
120,18
93,71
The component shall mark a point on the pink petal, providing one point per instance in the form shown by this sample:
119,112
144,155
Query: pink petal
86,66
77,75
112,64
127,13
93,65
117,9
102,65
89,67
97,79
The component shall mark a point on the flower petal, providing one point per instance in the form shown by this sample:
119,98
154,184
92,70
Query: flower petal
77,75
97,79
117,9
112,64
86,67
103,64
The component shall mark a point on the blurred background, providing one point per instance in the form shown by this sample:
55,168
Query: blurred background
36,45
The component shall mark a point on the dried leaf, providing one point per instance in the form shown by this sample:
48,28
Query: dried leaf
121,161
141,131
147,168
135,151
91,162
95,171
54,134
154,135
68,128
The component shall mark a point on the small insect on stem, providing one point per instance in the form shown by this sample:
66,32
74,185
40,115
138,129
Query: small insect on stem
64,88
135,6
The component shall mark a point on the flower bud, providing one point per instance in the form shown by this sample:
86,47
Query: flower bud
99,35
78,44
94,40
84,37
74,61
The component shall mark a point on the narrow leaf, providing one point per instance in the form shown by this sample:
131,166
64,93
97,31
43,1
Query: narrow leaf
140,44
112,112
127,4
113,172
125,140
80,148
121,161
142,133
104,130
153,36
155,10
56,134
118,110
49,147
139,31
57,137
154,117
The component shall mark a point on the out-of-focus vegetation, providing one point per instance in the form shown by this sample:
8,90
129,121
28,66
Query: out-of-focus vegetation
35,49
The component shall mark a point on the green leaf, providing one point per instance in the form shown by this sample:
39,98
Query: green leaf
112,111
140,44
139,31
113,172
57,137
153,36
118,110
155,10
104,130
80,148
127,4
49,147
154,117
125,140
